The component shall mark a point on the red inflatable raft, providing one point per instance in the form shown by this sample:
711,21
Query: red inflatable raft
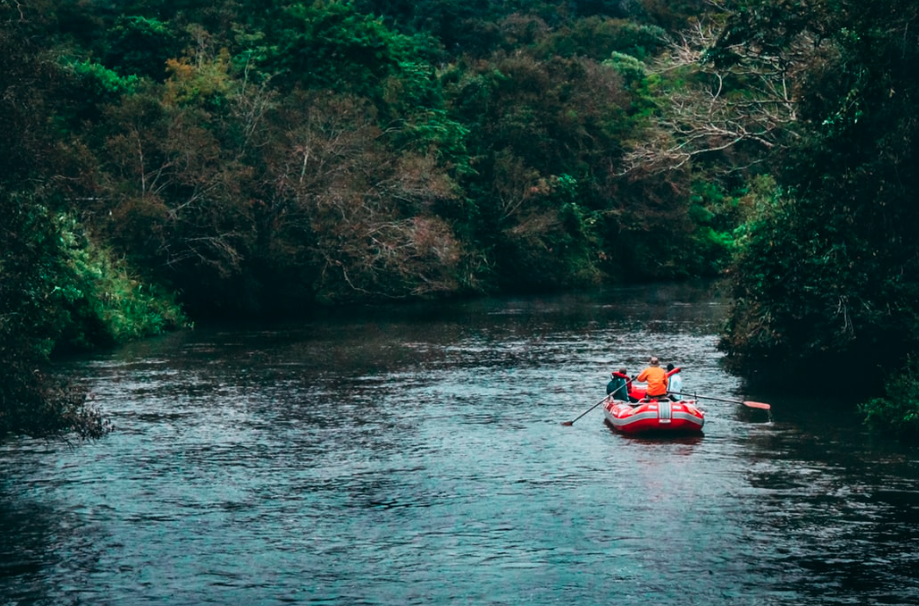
660,416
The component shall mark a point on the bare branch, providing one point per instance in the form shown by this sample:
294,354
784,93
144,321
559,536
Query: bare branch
710,115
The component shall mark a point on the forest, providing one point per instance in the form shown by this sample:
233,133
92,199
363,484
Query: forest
167,160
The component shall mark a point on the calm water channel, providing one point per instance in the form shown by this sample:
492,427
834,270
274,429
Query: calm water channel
417,457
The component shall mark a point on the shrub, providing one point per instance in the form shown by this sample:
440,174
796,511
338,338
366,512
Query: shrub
60,291
898,412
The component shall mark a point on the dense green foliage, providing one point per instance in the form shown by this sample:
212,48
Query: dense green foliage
829,270
263,157
254,157
60,289
897,413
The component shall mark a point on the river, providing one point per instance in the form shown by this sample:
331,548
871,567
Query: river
416,456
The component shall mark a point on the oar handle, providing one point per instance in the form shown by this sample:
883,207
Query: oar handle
568,423
585,412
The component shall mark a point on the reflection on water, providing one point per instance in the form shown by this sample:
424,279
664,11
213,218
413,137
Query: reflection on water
416,456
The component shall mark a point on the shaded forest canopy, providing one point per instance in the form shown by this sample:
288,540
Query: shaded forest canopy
166,160
258,157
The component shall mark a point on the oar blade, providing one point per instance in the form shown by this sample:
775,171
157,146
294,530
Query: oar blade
567,423
761,405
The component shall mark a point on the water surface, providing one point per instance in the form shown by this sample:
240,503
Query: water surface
416,456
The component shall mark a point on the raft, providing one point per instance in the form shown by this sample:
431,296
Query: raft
654,416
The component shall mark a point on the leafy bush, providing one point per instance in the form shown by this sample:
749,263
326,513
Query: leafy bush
60,291
30,259
102,82
102,301
898,412
141,45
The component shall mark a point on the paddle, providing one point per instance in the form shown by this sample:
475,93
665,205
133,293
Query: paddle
570,423
761,405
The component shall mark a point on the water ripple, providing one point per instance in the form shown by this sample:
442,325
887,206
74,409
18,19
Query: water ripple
419,459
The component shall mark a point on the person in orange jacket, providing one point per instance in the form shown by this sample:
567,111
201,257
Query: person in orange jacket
656,377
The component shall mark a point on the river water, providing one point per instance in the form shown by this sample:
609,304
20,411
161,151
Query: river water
417,456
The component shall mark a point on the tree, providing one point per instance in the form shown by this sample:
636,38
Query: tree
828,270
140,46
726,101
343,217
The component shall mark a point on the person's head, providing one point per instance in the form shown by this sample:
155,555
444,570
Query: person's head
623,371
670,367
654,361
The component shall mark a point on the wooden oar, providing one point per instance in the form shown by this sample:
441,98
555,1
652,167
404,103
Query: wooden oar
608,396
761,405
